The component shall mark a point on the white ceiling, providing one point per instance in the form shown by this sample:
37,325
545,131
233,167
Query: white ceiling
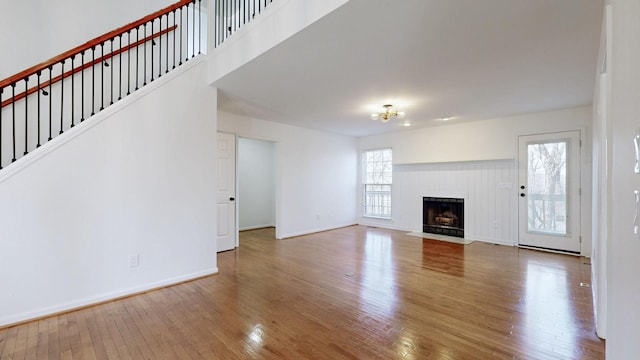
470,59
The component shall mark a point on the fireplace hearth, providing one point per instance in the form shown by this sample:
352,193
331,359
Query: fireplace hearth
443,216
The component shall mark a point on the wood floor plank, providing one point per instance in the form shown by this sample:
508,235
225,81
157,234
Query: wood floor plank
20,350
81,342
162,337
136,327
3,340
64,340
350,293
120,317
11,337
42,340
98,336
53,347
32,341
105,322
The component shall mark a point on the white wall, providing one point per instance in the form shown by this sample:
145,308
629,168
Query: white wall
494,139
623,246
256,184
139,179
316,174
484,156
41,29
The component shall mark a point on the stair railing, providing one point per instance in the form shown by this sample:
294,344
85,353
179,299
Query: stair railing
232,15
47,99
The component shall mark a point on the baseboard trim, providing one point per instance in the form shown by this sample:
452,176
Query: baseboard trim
10,321
255,227
382,225
318,230
529,247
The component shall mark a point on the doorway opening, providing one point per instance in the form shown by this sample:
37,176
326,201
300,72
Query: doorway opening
256,184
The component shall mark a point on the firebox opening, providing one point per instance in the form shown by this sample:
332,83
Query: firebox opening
443,216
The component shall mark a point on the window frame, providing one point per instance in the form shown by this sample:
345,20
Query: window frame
365,183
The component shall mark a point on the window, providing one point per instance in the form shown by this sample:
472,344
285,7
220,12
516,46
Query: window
376,183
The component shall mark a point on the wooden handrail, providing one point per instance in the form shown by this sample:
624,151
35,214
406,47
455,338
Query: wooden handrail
91,43
99,60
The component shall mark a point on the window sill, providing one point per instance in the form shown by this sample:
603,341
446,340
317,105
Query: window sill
376,217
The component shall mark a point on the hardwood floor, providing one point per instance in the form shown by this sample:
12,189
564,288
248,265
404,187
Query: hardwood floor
351,293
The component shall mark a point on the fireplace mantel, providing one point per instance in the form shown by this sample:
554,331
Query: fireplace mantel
448,195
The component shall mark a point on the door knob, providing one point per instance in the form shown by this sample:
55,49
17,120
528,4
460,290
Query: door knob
232,199
521,194
522,187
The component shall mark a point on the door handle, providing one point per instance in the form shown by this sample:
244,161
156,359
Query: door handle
232,199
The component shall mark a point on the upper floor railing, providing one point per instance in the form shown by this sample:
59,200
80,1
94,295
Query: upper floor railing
232,15
47,99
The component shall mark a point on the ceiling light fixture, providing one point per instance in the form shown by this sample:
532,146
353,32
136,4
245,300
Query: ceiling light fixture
388,111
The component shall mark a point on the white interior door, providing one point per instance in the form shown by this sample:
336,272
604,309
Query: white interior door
549,191
226,205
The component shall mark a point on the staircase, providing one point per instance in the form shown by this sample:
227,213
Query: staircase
107,155
48,99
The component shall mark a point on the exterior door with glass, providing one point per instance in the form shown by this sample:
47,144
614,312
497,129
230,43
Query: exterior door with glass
549,191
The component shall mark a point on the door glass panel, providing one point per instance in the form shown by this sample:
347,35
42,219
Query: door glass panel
547,188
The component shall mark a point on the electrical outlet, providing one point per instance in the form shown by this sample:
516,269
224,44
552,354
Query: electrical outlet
134,260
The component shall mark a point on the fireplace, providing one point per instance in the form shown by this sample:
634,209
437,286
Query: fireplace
443,216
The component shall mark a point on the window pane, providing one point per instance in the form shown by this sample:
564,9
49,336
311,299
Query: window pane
377,200
378,166
547,187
